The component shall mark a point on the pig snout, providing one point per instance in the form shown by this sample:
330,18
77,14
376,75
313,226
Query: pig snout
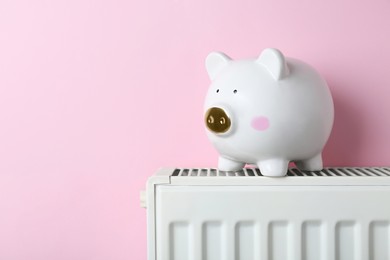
217,121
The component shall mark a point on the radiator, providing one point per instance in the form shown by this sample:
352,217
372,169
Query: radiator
206,214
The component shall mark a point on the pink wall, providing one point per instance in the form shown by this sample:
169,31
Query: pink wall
96,95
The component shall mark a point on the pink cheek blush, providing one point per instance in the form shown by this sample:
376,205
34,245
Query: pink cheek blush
260,123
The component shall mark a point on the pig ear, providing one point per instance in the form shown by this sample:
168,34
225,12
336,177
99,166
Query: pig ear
275,63
215,62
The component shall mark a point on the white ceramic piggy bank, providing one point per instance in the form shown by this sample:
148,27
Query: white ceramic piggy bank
267,111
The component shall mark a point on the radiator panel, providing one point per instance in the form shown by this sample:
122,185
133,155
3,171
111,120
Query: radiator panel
290,221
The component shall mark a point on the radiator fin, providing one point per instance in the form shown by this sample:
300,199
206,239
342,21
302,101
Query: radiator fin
379,237
293,172
212,240
279,241
179,237
245,240
346,240
312,241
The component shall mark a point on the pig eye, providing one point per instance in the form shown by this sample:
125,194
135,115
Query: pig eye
217,91
235,91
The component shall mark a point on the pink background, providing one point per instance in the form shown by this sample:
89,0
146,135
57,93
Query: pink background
97,95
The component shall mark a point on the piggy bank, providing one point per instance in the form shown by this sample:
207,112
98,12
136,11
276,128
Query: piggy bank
268,111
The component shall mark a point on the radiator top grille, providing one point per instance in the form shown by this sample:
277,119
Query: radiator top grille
292,172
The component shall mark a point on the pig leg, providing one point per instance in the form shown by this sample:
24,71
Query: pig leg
273,167
225,164
312,164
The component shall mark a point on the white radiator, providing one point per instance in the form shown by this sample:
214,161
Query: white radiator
333,214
